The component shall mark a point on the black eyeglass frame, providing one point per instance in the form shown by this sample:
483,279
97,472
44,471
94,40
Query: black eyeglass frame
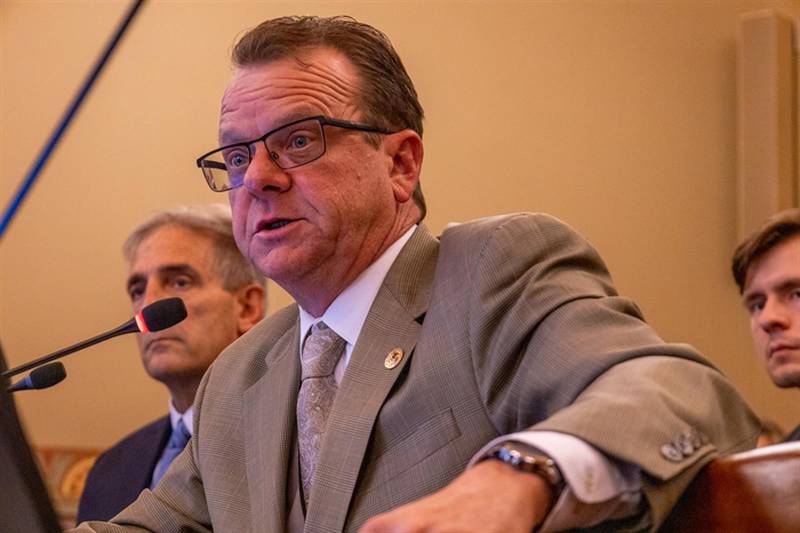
323,121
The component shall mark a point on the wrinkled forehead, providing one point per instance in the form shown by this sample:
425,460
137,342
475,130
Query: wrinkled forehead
262,96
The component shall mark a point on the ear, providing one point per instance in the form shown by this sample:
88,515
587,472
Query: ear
405,163
250,306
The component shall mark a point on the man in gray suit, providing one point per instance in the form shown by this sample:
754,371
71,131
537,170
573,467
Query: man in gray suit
766,267
490,379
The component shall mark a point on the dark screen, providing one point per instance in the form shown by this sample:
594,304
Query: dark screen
24,504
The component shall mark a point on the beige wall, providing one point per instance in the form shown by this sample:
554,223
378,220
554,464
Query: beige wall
618,117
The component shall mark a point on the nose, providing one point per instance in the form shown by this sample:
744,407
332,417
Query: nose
773,316
264,175
152,293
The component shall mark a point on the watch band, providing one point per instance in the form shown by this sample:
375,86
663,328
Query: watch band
527,459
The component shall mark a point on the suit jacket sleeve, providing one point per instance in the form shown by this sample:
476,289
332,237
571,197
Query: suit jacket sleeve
555,348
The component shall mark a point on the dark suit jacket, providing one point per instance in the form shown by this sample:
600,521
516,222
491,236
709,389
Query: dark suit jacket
121,472
793,436
506,323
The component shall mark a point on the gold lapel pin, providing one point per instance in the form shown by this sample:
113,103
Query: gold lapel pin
394,358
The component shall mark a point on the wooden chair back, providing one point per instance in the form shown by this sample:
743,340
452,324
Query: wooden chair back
753,491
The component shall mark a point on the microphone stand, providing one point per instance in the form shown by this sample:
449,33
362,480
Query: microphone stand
127,327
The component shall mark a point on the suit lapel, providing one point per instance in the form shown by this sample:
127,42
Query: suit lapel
149,448
269,439
394,321
153,455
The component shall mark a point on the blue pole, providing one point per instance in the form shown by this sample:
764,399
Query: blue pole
50,145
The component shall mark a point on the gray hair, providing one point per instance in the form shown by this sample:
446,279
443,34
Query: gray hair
213,220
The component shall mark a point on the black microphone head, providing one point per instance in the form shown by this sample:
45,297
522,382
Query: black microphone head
160,315
47,375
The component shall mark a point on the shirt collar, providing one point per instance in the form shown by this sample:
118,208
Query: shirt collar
187,416
348,312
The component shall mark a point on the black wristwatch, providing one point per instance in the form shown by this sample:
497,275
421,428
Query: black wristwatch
528,459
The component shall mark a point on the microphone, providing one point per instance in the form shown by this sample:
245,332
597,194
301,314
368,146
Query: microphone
155,317
158,315
41,378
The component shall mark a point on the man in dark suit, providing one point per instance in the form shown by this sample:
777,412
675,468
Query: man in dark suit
766,267
490,379
187,252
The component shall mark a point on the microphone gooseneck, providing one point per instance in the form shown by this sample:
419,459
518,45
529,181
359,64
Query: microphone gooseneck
41,378
155,317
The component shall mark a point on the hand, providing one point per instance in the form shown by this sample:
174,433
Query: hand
489,497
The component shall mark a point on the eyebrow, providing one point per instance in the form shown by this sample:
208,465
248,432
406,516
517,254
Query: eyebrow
177,268
783,286
228,137
788,284
133,279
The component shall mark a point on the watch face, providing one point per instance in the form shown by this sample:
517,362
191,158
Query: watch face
525,459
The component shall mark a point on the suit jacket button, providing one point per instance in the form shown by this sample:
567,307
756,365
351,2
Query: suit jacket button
671,452
694,436
686,445
394,358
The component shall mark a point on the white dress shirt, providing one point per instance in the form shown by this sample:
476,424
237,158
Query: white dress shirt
187,416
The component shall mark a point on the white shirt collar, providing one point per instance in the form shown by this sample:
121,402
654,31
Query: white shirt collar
187,416
347,313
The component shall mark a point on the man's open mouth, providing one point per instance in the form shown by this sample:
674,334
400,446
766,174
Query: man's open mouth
274,224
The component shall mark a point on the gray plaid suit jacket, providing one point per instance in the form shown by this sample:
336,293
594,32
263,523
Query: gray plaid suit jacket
506,323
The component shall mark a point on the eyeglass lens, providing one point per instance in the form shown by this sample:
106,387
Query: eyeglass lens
290,146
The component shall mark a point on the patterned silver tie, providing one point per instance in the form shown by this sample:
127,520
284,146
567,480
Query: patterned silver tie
321,352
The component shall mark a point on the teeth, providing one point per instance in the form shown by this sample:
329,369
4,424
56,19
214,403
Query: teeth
276,225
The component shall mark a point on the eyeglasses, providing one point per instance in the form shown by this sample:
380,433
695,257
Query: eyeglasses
289,146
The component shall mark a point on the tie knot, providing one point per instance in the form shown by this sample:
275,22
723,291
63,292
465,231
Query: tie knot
321,351
180,436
